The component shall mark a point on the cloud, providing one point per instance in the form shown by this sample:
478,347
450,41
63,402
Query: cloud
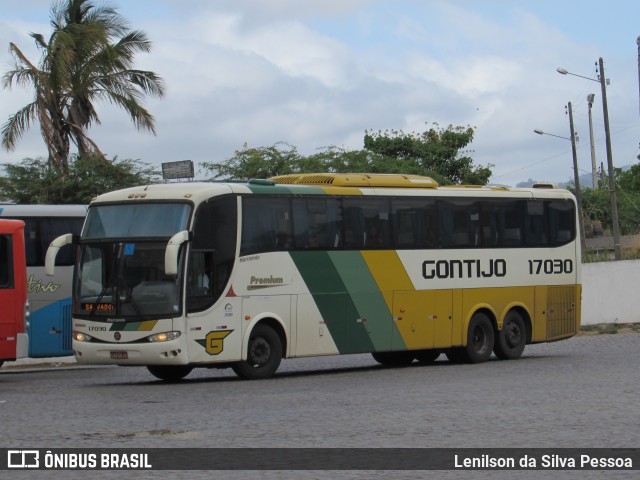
316,74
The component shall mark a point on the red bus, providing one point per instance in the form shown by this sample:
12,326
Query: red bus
14,314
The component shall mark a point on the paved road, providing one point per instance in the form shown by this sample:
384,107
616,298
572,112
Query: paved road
580,393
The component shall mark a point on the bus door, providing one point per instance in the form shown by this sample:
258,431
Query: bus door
50,334
423,318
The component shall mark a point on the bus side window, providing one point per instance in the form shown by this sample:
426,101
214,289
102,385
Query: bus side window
414,223
366,223
200,279
561,217
459,223
316,223
354,235
266,225
534,224
213,252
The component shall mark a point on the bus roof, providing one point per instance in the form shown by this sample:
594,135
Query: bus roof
13,210
358,180
322,184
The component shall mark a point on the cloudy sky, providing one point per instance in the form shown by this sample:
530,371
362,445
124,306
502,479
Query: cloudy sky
320,73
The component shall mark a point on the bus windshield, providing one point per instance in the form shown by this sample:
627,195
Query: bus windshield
125,280
136,220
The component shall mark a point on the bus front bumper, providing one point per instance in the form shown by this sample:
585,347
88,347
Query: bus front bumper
172,352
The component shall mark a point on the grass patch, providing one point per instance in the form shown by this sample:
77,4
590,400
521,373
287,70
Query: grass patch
609,328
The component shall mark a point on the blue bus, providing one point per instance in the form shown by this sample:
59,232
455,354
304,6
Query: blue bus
50,297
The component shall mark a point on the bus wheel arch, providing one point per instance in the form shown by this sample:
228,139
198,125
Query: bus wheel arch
514,335
265,347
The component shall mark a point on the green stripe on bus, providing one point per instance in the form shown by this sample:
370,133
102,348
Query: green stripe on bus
349,301
333,300
373,311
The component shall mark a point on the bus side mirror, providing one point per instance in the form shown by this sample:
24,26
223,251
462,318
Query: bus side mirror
52,252
171,252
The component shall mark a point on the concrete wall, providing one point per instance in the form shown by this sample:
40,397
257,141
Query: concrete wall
611,292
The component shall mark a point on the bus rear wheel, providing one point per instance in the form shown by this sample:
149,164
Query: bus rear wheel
393,358
169,373
263,356
480,339
511,340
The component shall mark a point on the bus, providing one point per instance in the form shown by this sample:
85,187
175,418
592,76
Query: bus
14,314
50,298
241,275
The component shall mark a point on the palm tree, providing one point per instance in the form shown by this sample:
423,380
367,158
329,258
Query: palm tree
88,58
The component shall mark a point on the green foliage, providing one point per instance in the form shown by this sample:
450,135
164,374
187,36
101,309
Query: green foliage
262,162
596,205
629,180
33,181
434,153
437,150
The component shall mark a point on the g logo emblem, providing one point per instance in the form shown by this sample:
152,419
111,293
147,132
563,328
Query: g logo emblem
117,336
215,341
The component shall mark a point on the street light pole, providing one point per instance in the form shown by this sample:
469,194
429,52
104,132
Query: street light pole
612,183
594,169
576,175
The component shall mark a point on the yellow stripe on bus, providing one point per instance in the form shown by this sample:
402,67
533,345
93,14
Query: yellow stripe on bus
389,273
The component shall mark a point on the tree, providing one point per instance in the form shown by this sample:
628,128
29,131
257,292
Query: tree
629,180
435,150
434,153
88,58
262,162
34,181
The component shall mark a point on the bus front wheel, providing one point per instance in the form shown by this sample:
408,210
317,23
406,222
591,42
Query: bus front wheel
169,373
263,355
510,341
480,339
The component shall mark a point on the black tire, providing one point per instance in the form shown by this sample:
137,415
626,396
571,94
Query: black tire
511,340
395,359
169,373
427,356
480,339
263,356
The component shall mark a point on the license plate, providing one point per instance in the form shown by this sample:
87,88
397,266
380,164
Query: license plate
119,355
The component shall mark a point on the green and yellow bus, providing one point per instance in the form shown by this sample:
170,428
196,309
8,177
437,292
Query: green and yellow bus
241,275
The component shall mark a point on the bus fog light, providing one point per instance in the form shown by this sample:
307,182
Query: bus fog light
81,337
163,337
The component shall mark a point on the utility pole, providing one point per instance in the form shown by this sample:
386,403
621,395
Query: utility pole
594,169
576,177
612,180
638,42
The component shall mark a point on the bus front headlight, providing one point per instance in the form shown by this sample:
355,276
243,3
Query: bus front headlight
163,337
81,337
